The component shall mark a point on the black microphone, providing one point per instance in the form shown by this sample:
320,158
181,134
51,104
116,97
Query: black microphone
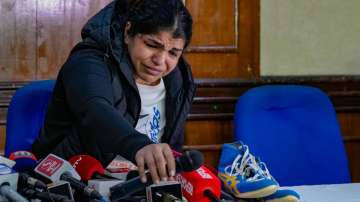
189,161
26,180
80,186
44,196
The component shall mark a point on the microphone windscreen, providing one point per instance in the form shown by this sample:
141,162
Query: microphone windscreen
196,183
190,160
86,166
25,161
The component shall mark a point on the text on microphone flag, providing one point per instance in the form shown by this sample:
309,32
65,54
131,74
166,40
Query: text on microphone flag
50,165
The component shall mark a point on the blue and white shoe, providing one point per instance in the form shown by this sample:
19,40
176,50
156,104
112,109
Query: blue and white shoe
241,175
283,195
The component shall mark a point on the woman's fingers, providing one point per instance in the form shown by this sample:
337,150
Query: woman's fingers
159,160
152,167
170,161
161,165
141,167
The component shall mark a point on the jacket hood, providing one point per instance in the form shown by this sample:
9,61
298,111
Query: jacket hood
106,29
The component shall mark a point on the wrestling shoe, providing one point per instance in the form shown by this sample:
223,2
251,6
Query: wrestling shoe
281,195
240,174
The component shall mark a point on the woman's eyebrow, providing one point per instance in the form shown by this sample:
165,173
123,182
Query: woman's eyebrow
161,45
156,42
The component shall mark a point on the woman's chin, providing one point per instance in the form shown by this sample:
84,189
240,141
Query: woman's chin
149,81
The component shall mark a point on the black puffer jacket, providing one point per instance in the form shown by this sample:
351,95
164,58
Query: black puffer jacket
96,104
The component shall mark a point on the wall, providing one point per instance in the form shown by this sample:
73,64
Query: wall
310,37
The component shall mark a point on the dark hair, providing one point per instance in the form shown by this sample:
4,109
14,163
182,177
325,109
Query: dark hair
153,16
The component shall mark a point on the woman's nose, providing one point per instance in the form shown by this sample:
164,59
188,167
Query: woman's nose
159,58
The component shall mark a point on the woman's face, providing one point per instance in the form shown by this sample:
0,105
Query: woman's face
153,55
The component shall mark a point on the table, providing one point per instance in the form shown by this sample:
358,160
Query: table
328,193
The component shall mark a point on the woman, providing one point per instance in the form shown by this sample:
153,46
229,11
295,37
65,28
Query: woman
125,89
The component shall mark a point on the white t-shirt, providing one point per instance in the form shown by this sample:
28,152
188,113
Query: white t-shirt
152,118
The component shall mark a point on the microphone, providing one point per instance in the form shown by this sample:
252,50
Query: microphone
88,167
8,183
164,191
191,160
7,161
44,196
25,160
26,180
55,168
91,170
200,185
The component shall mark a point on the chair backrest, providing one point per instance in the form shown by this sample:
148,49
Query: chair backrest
26,115
294,130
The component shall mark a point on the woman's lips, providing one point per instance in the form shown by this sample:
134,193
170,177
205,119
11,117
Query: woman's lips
152,71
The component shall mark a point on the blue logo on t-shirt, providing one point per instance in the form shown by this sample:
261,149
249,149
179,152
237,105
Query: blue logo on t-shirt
155,125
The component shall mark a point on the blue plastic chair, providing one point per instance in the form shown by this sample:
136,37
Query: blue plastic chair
26,115
294,130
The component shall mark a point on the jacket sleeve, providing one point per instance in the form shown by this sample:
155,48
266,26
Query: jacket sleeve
87,83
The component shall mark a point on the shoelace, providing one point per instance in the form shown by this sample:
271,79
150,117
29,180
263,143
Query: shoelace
264,169
247,167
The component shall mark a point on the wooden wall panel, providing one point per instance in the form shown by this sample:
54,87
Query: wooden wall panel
211,21
350,129
226,38
17,39
38,35
207,136
347,122
59,28
353,151
211,132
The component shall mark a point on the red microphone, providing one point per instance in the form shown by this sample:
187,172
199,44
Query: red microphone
200,185
91,170
88,167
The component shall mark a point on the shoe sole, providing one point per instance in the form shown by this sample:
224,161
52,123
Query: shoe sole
259,193
284,199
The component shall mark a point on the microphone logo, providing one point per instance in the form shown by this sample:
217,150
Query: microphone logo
185,184
203,173
76,163
50,165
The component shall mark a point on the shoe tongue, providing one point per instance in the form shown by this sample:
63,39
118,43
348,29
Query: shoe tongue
249,172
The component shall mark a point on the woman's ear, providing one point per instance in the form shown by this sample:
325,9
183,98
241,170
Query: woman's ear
126,32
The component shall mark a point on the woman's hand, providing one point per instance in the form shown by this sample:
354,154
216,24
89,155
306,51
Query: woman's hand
159,160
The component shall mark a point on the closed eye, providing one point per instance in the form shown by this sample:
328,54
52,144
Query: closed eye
152,45
173,53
